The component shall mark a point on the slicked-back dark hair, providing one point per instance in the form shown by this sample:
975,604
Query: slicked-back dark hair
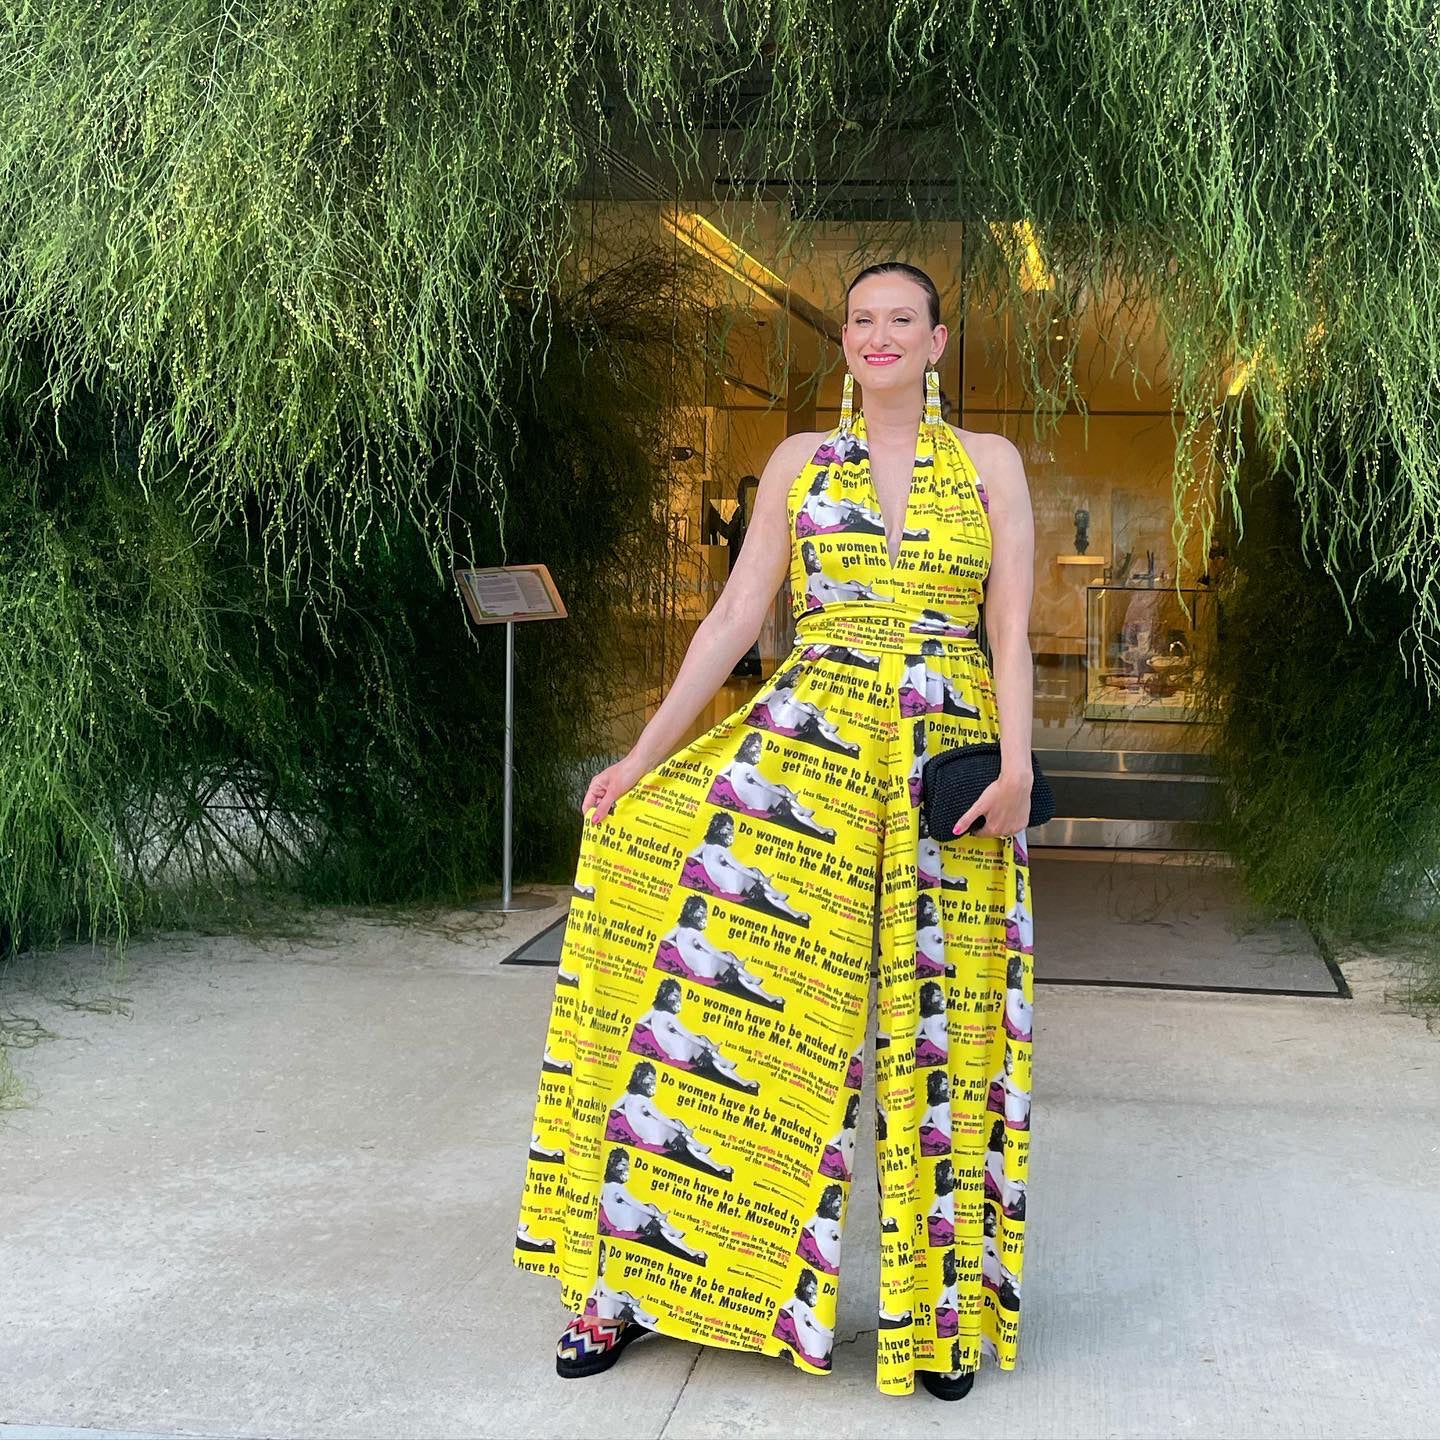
911,272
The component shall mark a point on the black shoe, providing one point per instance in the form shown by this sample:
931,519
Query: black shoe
946,1389
594,1363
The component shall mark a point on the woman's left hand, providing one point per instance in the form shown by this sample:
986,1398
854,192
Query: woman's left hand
1005,804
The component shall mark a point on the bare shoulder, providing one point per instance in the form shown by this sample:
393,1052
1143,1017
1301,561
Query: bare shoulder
988,447
997,459
800,446
790,457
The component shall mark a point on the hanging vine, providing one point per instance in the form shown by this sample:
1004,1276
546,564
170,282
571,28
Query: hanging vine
301,251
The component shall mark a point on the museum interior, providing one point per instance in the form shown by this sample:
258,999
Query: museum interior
1122,617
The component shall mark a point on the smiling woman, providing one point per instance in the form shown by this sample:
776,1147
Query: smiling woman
782,884
883,334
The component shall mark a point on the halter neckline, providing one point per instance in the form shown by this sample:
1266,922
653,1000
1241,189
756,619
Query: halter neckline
926,447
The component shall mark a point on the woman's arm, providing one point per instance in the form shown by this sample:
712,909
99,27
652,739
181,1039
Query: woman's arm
731,628
1009,589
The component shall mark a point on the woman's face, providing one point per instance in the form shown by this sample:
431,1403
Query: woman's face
889,315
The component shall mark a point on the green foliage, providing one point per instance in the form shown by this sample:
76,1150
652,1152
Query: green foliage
296,233
309,263
105,640
1329,754
173,729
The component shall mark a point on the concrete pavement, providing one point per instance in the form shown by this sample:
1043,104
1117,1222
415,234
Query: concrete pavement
269,1189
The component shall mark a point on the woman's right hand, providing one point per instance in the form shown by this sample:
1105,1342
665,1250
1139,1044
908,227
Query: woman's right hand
608,786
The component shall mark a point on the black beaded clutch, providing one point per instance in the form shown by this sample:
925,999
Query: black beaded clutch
952,781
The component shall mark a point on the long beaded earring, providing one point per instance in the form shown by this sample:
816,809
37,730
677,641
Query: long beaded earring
932,396
847,401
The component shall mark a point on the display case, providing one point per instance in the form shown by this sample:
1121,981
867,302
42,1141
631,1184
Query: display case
1144,653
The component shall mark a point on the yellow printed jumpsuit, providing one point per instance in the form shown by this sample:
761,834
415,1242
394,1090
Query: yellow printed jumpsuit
693,1151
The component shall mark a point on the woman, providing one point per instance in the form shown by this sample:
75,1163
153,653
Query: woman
623,1217
659,1035
994,1275
947,1309
782,710
940,1222
822,513
713,868
685,951
838,1160
605,1303
741,786
799,1327
822,588
636,1120
932,1034
1006,1094
930,958
820,1239
935,1122
890,542
1000,1183
922,682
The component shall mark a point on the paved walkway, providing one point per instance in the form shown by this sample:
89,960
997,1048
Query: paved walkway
269,1189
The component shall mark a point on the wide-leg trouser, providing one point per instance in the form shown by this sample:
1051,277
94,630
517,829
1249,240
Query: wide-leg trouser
693,1148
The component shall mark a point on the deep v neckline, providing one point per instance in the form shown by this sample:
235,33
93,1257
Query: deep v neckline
863,430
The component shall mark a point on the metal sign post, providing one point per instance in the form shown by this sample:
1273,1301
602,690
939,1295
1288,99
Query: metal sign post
507,593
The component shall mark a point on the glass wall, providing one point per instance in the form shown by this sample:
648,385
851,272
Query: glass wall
1114,649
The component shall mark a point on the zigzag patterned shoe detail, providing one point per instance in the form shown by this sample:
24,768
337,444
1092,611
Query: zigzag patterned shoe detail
587,1346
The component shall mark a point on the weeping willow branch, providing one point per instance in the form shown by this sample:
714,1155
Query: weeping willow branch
305,249
296,232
